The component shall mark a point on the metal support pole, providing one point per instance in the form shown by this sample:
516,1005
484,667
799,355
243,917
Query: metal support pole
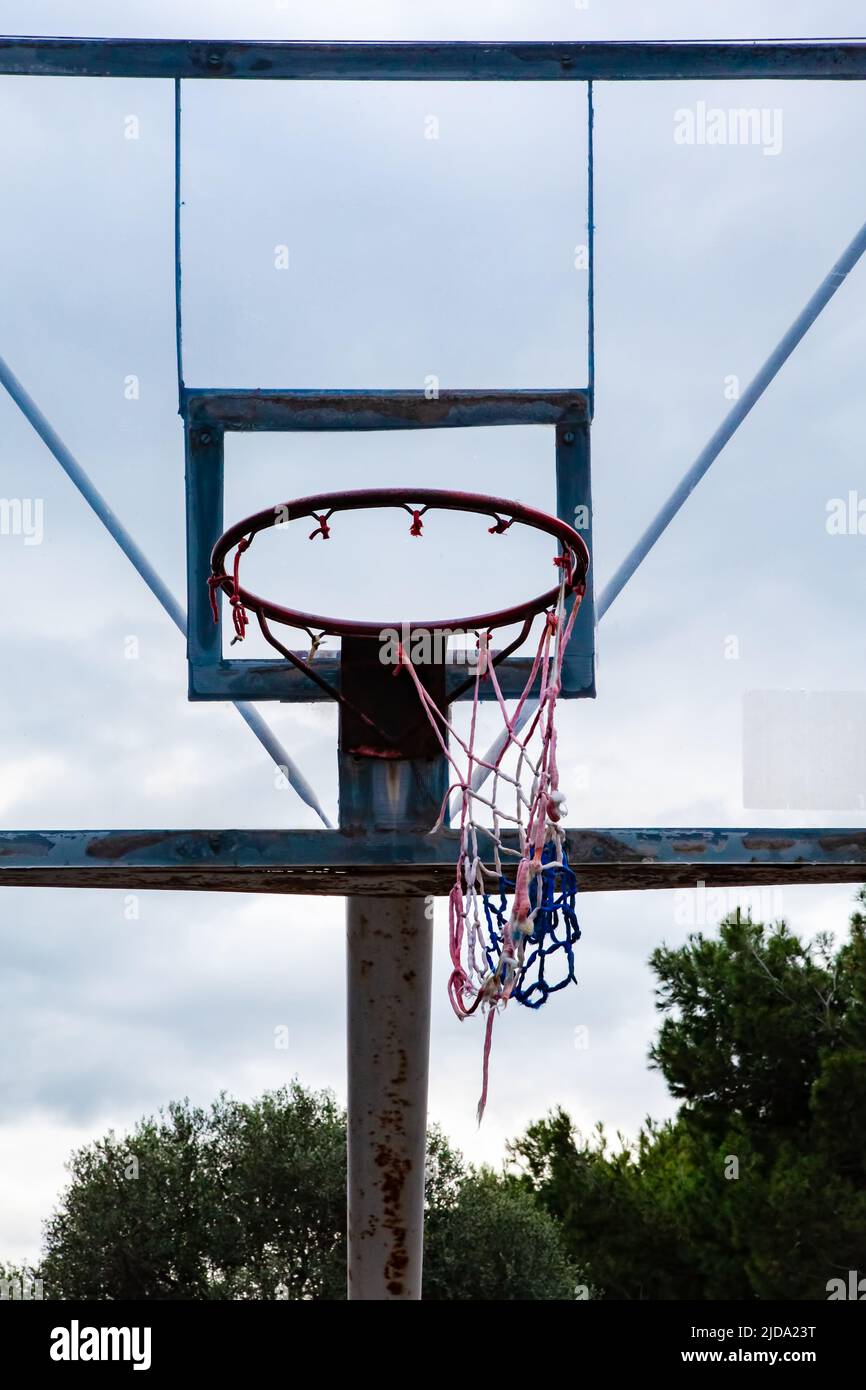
736,415
160,590
834,278
389,947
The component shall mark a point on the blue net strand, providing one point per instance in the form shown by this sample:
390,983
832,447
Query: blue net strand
548,963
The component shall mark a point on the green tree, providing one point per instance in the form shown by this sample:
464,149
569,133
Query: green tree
494,1241
758,1188
247,1200
238,1201
19,1282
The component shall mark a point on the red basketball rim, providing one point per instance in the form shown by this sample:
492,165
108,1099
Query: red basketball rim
572,546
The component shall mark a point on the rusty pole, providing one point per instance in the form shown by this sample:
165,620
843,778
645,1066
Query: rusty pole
389,945
393,777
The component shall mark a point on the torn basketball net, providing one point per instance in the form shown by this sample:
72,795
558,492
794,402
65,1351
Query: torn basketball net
512,926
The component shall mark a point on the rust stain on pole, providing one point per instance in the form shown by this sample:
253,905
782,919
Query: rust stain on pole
389,951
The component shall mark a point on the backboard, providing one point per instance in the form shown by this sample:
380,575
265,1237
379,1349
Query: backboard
209,415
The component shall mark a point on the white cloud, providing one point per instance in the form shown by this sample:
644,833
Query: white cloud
31,779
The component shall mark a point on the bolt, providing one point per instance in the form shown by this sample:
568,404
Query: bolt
568,437
214,60
204,437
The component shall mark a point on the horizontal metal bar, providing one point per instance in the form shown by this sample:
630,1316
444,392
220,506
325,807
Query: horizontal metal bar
337,863
277,680
379,410
432,62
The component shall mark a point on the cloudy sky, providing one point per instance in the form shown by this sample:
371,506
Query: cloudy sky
408,257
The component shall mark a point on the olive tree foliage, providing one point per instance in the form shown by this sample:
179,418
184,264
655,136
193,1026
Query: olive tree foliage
247,1200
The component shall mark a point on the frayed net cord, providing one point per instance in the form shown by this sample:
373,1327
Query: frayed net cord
534,815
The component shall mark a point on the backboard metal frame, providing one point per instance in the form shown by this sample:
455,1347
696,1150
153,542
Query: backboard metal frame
445,61
208,415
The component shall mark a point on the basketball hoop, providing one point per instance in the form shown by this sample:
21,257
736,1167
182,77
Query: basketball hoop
322,507
528,894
